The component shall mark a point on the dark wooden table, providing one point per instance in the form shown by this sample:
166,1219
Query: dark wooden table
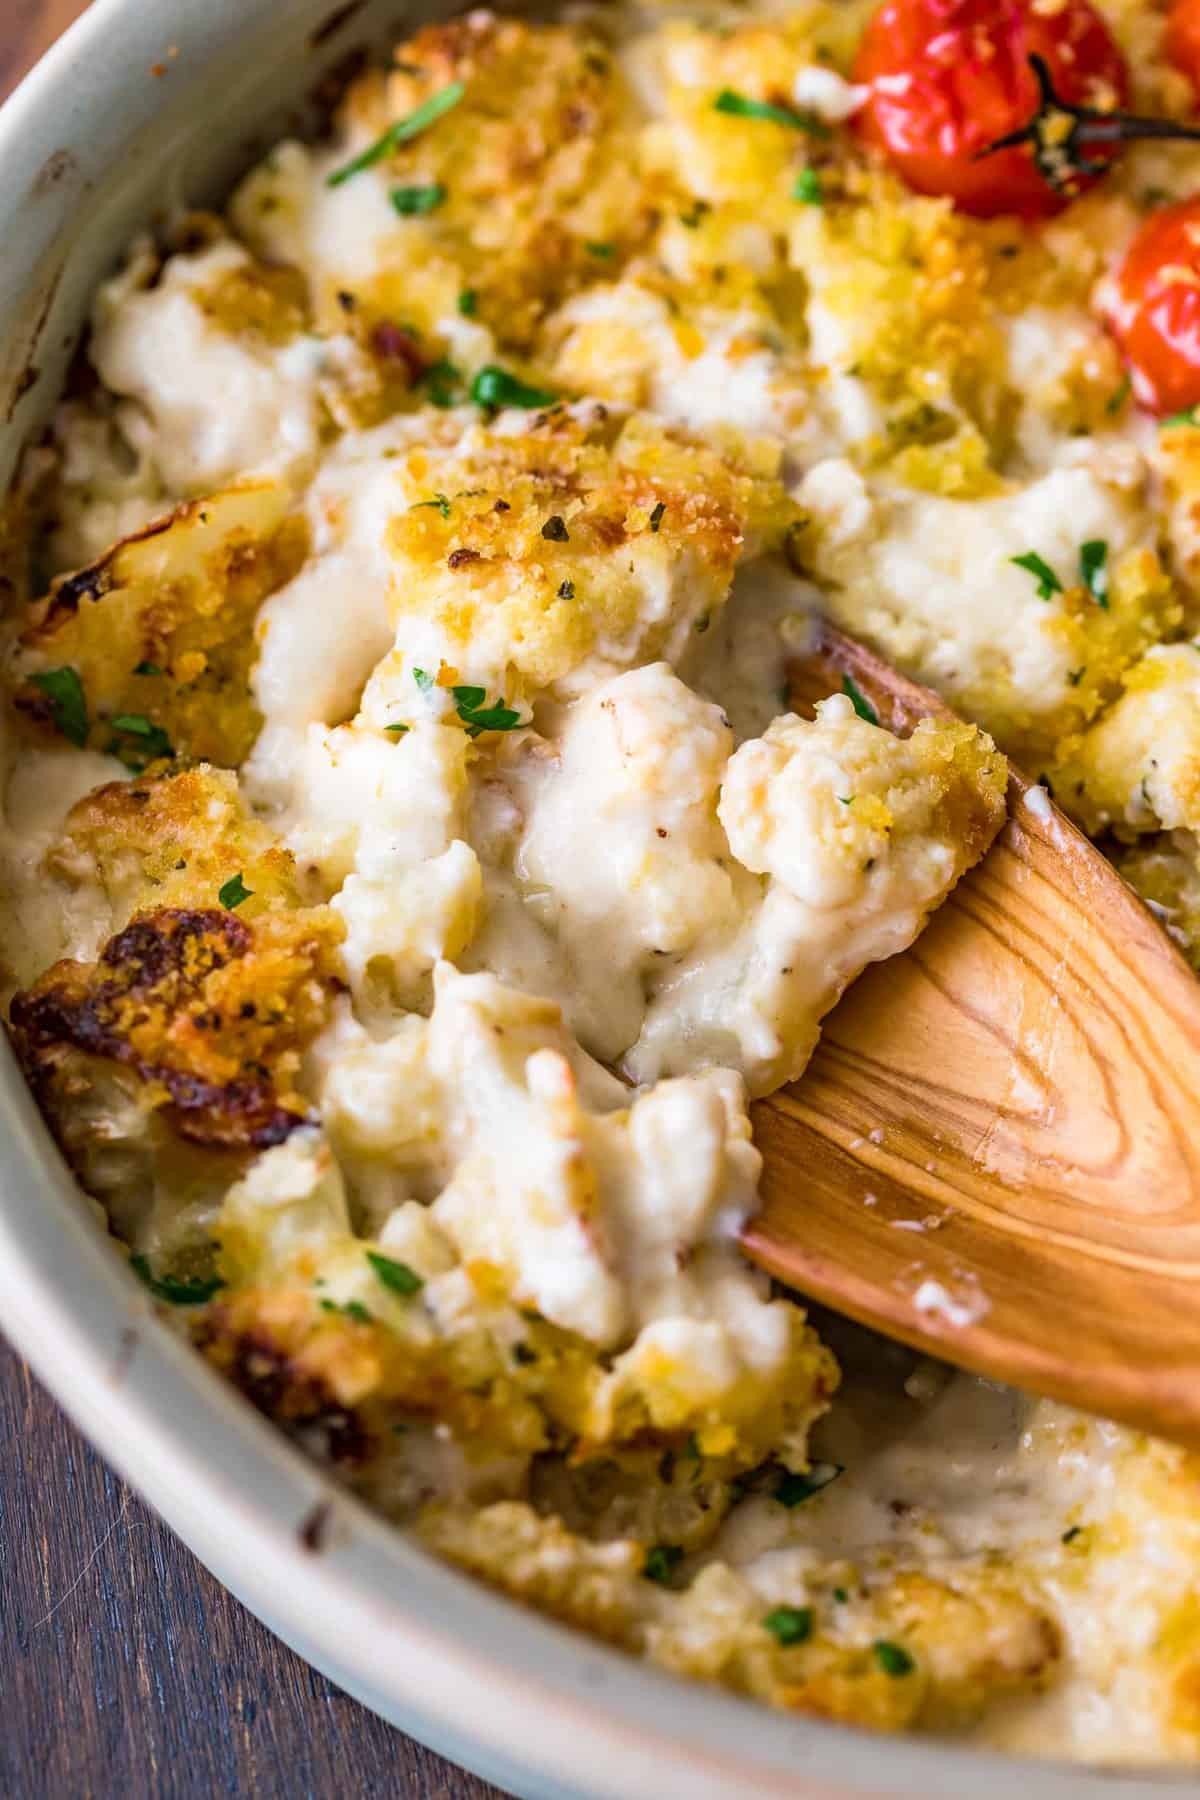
124,1669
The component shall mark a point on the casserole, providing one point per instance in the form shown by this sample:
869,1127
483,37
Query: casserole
469,1674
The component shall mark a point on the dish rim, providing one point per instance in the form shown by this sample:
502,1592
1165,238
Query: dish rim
530,1704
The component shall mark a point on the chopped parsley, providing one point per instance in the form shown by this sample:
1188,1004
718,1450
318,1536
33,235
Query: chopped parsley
841,1596
412,202
68,704
858,700
603,251
439,501
794,1490
1093,570
423,679
555,529
468,303
1073,1531
444,382
743,107
149,741
1048,583
789,1624
234,892
893,1659
147,668
695,213
402,132
1189,416
845,799
656,517
496,387
398,729
351,1309
395,1275
808,189
478,717
567,591
661,1562
195,1290
1120,394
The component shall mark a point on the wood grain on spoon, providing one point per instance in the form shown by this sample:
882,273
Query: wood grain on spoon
995,1153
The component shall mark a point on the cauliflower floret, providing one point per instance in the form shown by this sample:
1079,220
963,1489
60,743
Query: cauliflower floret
167,340
1138,767
159,634
1030,652
535,556
1165,871
540,191
855,836
710,369
173,840
622,843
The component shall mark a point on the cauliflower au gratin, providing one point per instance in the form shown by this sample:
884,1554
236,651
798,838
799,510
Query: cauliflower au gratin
412,867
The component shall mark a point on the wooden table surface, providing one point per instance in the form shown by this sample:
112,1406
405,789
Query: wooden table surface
124,1668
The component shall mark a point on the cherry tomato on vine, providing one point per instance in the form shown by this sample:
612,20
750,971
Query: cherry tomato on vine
1183,39
1153,309
949,78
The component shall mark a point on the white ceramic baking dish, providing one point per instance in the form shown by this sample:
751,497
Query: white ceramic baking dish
147,102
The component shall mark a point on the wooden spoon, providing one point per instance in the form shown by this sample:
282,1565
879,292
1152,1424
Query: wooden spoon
995,1153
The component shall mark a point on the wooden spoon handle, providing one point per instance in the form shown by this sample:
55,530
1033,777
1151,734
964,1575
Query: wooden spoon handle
995,1153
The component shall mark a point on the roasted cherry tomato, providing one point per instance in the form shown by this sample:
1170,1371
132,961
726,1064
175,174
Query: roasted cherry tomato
1183,39
949,78
1153,309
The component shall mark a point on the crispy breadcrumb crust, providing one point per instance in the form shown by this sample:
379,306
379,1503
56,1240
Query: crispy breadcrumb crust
209,1012
162,627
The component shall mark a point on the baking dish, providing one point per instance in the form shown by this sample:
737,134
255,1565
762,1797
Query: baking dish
134,111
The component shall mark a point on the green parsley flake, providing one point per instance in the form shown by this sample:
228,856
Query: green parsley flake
841,1596
496,387
603,251
789,1624
661,1562
68,704
439,503
234,893
656,517
398,730
794,1490
412,202
1116,400
555,529
147,668
858,700
444,382
1189,416
424,680
395,1275
150,742
1048,583
742,107
402,132
1093,570
195,1290
808,189
893,1659
478,717
468,303
694,214
352,1309
1069,1536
